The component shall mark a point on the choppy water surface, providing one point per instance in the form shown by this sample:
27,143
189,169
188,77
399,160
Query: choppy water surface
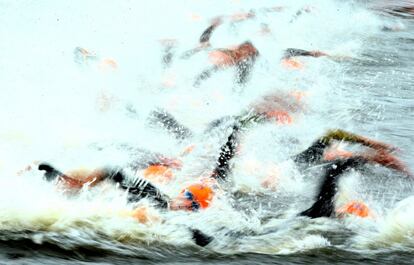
57,110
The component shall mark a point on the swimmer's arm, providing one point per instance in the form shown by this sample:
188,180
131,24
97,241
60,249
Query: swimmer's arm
243,70
239,17
315,152
206,35
200,238
189,53
272,9
140,189
168,122
312,154
388,160
289,53
205,75
52,173
204,41
324,205
227,152
167,57
341,135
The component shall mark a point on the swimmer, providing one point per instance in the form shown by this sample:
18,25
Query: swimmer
83,56
199,196
279,107
204,40
196,196
289,58
321,152
334,164
289,53
242,57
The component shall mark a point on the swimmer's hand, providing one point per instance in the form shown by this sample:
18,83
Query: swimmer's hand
200,238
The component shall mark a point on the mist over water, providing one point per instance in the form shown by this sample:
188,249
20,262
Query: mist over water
76,115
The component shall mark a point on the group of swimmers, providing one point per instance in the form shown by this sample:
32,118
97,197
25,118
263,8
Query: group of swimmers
277,107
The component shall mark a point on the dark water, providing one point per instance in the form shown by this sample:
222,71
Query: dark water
27,252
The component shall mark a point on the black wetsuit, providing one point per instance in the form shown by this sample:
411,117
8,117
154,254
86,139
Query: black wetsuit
165,120
296,52
140,189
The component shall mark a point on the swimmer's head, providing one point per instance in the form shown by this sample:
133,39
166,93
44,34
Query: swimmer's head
158,173
356,208
247,49
194,197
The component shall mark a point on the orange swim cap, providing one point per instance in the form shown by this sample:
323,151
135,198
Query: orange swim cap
158,173
357,208
155,170
200,195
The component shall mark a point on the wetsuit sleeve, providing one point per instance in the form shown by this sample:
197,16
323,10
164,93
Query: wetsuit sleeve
140,189
295,52
244,69
227,152
218,123
170,124
168,56
315,152
312,154
187,54
324,205
206,35
204,42
206,74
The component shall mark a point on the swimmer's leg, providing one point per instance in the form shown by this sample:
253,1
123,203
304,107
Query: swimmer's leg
324,205
168,122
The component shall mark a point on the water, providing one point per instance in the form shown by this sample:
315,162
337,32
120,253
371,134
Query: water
57,110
